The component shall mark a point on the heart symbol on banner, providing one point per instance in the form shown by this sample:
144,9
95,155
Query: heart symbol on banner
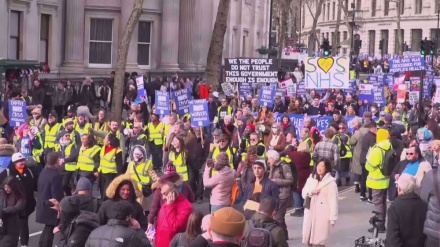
325,63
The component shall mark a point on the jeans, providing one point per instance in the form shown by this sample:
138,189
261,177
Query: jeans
380,204
217,207
103,104
46,237
298,201
24,229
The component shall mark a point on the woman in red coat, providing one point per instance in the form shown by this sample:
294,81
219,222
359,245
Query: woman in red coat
301,159
173,215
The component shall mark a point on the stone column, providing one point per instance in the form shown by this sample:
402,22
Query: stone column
74,45
126,9
186,34
170,35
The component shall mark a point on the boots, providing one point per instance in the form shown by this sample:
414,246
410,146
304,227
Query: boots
357,188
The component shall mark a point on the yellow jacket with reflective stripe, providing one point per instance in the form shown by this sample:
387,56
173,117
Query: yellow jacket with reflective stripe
84,130
38,152
85,158
179,161
230,156
375,156
50,135
286,157
165,132
107,163
309,142
69,166
104,128
228,112
349,153
142,171
155,133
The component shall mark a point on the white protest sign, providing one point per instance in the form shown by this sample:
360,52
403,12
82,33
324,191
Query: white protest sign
413,97
227,89
327,72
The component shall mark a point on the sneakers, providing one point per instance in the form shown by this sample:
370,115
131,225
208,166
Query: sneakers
298,213
380,229
363,198
370,201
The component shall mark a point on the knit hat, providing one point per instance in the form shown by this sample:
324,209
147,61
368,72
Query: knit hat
53,114
70,204
251,126
382,135
17,157
222,159
170,177
228,222
68,121
83,184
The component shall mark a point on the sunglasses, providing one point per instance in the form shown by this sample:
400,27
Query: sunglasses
409,153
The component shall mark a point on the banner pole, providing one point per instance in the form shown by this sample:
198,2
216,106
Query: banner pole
201,136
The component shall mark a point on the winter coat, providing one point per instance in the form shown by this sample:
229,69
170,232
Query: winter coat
86,202
281,144
116,233
269,189
424,167
107,206
171,220
261,221
180,240
367,142
406,216
11,206
356,144
301,161
323,209
428,195
49,186
29,182
78,231
6,151
281,174
59,97
221,184
37,94
158,201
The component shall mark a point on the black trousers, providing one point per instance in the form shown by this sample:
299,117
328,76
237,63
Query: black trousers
46,237
66,183
363,183
104,181
281,214
200,191
24,229
59,110
156,154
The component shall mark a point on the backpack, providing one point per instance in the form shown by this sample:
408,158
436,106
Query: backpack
389,160
259,237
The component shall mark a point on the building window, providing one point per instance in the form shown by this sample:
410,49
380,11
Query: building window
323,12
373,8
144,43
328,11
435,36
345,35
385,35
358,5
44,39
386,8
371,41
243,48
333,10
14,35
101,39
416,37
396,40
419,6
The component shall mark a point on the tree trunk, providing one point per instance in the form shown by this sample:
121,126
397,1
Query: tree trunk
347,22
284,9
215,52
399,36
121,61
315,17
336,39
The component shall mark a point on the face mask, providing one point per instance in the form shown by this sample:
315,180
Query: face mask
275,131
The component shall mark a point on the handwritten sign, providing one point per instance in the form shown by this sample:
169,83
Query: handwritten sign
407,63
327,72
162,103
252,70
17,112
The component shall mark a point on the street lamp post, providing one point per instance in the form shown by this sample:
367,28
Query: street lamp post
352,28
269,44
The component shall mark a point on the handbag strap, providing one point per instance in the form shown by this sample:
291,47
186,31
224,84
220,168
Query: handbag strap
436,186
137,175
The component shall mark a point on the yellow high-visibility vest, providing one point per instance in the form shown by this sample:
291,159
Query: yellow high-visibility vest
84,130
230,151
104,128
107,163
286,157
155,133
142,171
179,163
85,159
69,166
50,135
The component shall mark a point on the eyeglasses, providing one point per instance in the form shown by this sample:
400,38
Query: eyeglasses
409,153
342,128
254,139
222,141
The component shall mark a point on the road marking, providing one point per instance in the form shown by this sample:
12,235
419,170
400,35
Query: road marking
339,198
35,234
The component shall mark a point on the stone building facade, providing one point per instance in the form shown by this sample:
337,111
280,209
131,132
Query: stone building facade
81,37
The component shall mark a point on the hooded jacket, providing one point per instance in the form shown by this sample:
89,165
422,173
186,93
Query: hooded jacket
112,189
78,231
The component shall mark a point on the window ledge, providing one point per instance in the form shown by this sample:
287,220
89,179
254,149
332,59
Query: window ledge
100,66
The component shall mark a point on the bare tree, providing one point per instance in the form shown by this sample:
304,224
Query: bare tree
399,32
121,61
317,4
283,17
347,21
336,37
215,52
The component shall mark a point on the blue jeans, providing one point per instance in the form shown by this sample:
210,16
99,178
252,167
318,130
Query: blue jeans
217,207
298,201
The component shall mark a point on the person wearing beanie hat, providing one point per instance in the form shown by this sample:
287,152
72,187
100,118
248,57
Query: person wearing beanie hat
75,225
377,181
120,228
221,182
227,223
37,119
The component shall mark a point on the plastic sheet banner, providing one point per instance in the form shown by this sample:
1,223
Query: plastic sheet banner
199,113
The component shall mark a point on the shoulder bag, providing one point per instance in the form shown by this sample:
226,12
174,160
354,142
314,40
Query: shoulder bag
146,188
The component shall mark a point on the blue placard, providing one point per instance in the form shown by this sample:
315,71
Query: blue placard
199,113
301,89
282,93
267,95
407,63
17,112
162,103
366,95
379,93
245,89
181,99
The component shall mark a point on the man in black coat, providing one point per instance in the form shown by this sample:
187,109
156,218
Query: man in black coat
28,180
406,216
367,142
49,186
